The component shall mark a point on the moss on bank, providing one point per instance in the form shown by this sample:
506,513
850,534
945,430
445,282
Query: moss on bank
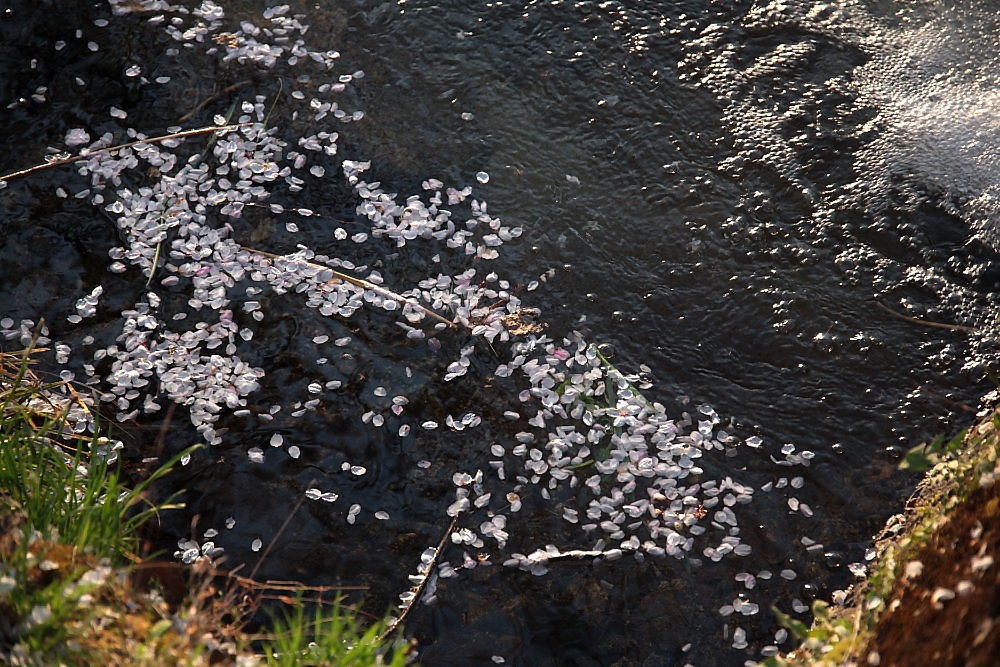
932,594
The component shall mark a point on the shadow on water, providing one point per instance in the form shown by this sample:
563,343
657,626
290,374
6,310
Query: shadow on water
731,284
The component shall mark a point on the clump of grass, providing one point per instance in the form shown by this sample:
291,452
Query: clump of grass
70,526
63,488
72,589
331,636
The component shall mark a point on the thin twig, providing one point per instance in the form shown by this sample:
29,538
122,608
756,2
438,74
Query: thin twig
288,519
944,399
939,325
204,103
164,429
79,399
355,281
418,591
76,158
248,582
289,585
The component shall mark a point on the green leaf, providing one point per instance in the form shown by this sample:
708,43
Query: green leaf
918,459
160,628
955,443
797,628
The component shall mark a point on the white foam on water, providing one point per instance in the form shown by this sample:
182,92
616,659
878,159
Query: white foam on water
873,120
935,84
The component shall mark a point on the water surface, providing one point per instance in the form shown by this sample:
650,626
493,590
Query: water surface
724,193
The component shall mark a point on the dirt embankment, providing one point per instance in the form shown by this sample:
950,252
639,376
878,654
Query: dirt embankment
945,607
932,594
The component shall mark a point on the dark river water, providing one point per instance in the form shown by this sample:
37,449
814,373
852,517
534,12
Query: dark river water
760,207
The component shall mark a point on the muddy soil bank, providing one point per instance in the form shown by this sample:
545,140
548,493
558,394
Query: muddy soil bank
932,591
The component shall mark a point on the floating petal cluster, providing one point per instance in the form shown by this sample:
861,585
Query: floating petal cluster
625,477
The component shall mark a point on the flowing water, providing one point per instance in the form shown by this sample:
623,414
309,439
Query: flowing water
751,203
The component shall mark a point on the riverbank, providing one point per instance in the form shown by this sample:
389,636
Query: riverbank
77,586
931,593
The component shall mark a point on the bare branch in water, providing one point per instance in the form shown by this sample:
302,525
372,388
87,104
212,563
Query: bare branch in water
356,281
939,325
419,589
111,149
208,100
